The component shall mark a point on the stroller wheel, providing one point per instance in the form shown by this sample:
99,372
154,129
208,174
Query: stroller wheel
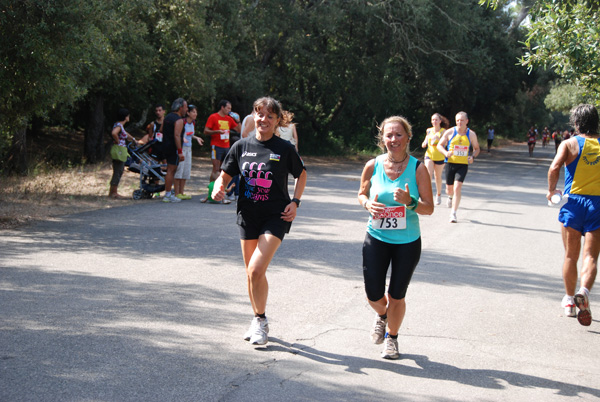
138,194
148,194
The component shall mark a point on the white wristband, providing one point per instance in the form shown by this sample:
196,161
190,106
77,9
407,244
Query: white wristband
365,203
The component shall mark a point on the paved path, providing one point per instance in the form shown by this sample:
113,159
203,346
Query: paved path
148,303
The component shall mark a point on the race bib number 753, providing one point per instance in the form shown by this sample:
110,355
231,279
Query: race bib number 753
392,218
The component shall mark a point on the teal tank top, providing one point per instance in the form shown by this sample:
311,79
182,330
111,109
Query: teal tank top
384,187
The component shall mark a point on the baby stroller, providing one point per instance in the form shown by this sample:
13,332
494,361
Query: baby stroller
152,178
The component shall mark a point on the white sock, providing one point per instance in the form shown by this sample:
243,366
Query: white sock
584,290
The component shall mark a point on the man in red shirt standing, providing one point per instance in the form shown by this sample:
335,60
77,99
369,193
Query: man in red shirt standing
218,126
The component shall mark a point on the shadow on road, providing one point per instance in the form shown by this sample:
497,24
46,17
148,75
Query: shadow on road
428,369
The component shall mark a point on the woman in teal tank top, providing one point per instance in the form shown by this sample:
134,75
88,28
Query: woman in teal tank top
394,188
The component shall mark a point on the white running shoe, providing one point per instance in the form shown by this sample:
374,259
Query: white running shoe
568,302
170,198
453,218
438,199
449,202
378,330
261,329
390,349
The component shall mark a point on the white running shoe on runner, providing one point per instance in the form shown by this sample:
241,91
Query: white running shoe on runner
261,329
438,199
453,218
568,302
449,202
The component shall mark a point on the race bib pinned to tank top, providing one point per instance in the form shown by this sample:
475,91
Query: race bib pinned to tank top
461,150
392,218
159,136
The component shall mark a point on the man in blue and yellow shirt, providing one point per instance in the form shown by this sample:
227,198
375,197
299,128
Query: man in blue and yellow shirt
455,145
580,216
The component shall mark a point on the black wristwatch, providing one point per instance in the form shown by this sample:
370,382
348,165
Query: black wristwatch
297,201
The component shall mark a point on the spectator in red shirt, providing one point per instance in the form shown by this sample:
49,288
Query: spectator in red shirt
218,126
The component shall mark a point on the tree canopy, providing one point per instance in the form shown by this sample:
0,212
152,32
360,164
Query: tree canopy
341,66
564,36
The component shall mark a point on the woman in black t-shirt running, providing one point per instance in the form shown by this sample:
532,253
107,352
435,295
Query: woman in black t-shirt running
264,210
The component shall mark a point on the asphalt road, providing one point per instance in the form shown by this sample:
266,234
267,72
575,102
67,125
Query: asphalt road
148,302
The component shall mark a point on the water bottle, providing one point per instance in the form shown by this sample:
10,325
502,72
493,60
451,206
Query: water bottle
555,199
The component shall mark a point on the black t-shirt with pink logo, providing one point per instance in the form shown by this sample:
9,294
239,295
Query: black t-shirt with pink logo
264,167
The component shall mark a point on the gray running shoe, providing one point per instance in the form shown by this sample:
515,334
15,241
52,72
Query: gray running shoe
378,330
449,202
584,316
438,199
261,329
390,349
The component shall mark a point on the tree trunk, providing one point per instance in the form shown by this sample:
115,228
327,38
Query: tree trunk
521,15
18,152
93,143
140,124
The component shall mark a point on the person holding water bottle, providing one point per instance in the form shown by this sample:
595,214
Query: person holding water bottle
394,188
580,216
455,144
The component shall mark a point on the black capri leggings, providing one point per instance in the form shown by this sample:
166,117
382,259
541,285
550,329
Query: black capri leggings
377,256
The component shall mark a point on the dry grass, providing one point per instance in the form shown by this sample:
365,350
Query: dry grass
58,192
51,191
